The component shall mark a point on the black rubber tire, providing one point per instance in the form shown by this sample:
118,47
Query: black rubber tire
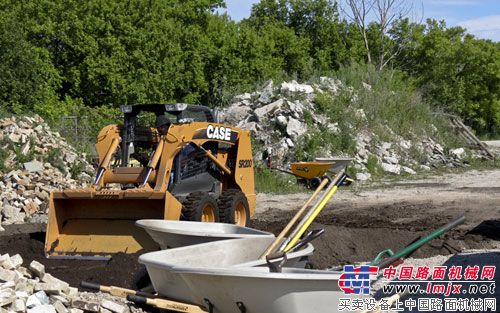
229,201
314,183
195,203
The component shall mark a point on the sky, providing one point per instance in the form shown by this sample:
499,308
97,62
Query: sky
479,17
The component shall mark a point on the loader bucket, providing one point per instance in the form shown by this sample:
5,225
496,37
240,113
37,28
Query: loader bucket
89,226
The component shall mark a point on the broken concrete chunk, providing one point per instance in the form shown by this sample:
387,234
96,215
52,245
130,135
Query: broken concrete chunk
37,268
60,308
16,260
18,306
45,308
22,294
7,285
58,298
37,299
113,306
85,305
55,283
24,272
73,310
71,293
6,275
33,166
49,288
7,296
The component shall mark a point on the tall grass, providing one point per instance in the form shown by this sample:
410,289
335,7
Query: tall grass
268,181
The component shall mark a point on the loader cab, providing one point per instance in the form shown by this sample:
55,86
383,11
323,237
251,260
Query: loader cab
191,170
137,133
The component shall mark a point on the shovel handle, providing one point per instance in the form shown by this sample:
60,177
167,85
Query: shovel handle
137,299
166,304
89,285
275,255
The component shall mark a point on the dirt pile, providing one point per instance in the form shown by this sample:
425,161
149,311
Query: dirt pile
28,286
357,233
35,161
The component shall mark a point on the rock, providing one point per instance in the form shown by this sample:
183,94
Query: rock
113,306
405,144
360,114
244,96
54,284
331,84
391,159
18,306
408,170
363,176
391,168
293,86
50,289
367,86
10,211
281,120
45,308
26,148
295,128
58,298
71,293
85,305
236,113
16,260
59,307
37,268
37,299
264,112
16,138
267,93
7,275
30,208
73,310
458,153
7,296
33,166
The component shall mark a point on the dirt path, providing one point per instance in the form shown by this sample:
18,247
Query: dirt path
359,224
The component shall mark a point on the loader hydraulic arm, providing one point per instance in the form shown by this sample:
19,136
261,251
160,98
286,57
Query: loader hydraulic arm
154,161
112,146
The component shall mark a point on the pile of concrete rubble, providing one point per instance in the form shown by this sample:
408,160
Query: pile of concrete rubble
30,289
277,117
36,161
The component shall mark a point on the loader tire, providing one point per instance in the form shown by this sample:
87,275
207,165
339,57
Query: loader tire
233,207
200,207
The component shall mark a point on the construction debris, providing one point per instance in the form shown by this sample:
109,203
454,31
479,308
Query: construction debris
281,117
32,290
52,164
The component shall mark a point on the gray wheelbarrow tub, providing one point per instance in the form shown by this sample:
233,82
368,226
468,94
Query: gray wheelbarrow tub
173,234
292,291
224,253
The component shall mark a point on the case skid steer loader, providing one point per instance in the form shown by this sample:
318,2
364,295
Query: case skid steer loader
197,170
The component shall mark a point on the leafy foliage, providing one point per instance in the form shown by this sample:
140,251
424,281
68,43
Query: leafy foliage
62,57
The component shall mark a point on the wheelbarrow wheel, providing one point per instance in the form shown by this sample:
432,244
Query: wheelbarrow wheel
233,208
200,207
314,183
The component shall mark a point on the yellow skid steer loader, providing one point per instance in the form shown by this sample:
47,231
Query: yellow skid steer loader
187,167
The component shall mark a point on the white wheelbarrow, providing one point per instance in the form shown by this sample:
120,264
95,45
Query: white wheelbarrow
173,234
